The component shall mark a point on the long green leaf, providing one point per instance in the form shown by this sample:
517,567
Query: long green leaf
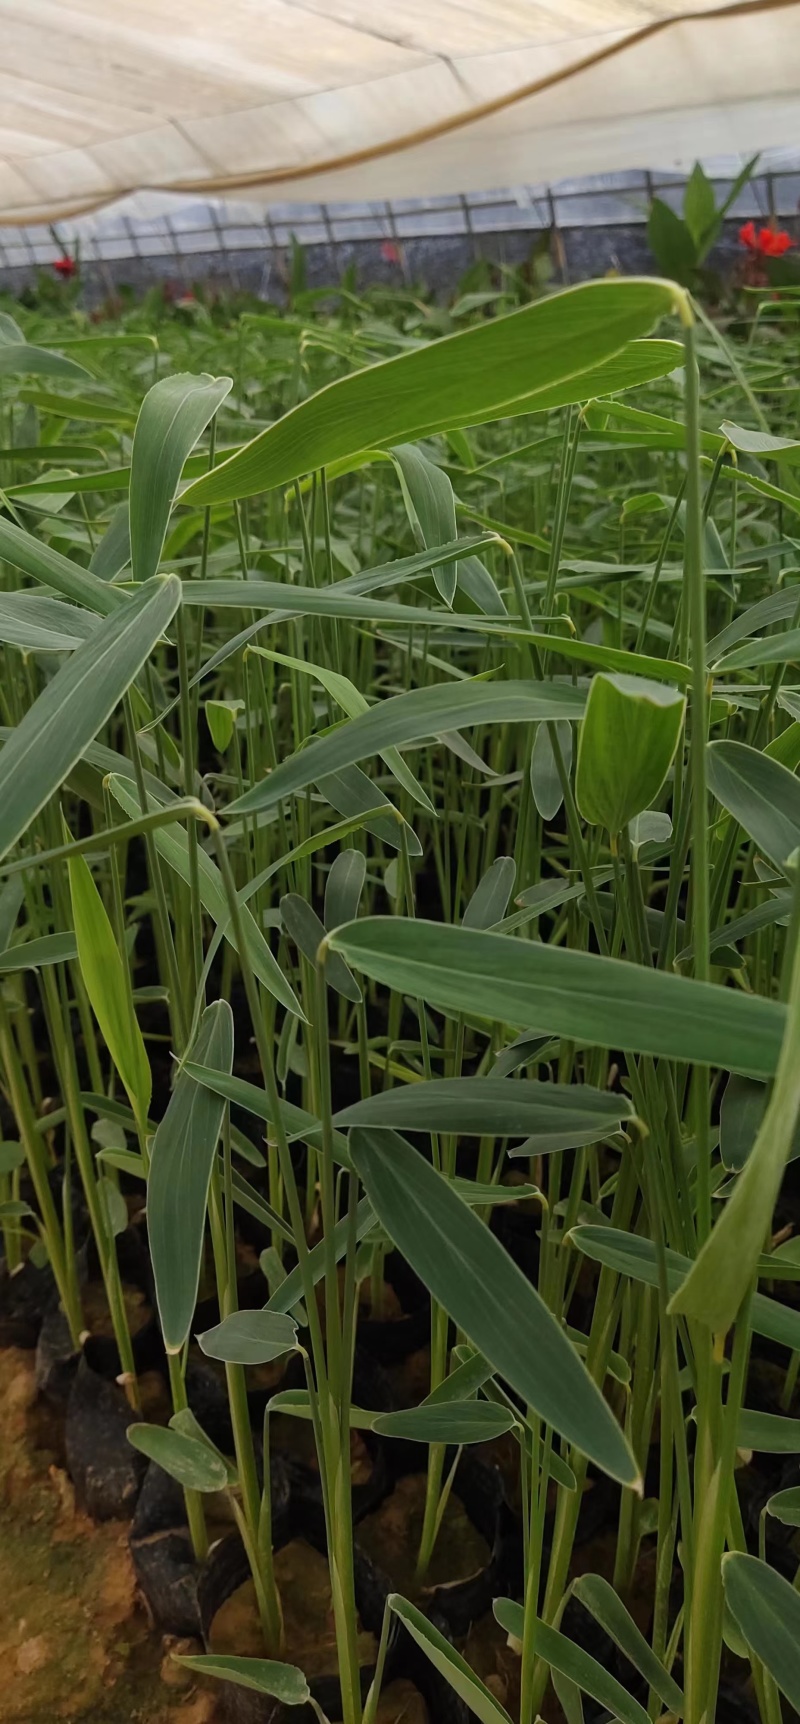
42,563
193,1463
551,1116
37,623
32,954
406,718
282,1682
631,1254
567,993
21,358
449,1663
465,379
571,1660
448,1422
57,729
108,985
182,1157
353,703
478,1284
607,1608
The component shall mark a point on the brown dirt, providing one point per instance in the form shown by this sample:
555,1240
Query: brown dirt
305,1591
391,1536
75,1644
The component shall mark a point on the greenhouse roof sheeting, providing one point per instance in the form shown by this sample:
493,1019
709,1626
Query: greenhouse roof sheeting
328,100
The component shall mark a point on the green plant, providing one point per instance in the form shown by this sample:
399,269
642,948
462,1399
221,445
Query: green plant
681,243
400,736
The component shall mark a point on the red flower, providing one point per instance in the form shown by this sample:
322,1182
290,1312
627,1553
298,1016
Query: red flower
768,241
390,252
774,242
65,266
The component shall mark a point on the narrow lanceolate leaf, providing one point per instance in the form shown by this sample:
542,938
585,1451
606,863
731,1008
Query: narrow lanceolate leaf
571,1660
344,886
174,413
762,795
465,379
283,1682
32,954
449,1663
36,623
479,1285
489,901
768,1433
250,1338
18,358
108,984
719,1279
767,1610
303,924
74,706
607,1608
297,1122
551,1116
182,1157
43,564
450,1422
192,1462
353,703
773,649
173,846
567,993
632,1254
407,718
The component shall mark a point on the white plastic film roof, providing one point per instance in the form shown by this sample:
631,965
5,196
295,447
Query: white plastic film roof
329,100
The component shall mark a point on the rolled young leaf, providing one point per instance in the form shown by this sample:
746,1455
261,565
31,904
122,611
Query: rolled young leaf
468,1273
174,413
627,743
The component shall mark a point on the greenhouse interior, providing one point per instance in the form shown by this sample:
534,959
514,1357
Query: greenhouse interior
400,862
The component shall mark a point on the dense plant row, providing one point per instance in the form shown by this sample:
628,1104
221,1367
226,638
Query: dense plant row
399,827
